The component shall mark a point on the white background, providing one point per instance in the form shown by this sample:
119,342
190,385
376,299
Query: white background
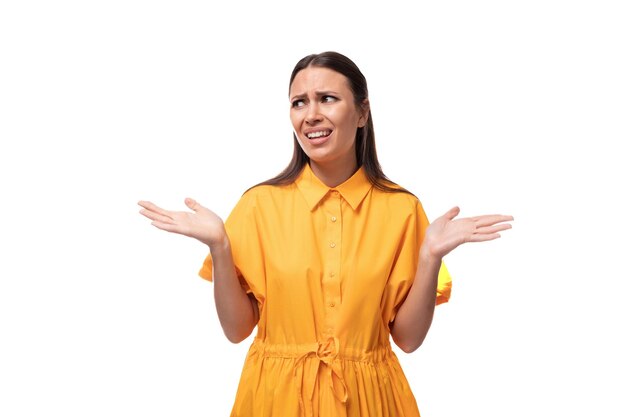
508,107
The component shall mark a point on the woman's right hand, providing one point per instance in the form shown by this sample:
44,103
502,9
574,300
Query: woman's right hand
202,224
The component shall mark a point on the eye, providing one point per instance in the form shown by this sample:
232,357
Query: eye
328,99
297,103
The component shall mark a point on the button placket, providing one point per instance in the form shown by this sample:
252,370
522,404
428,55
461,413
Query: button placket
331,284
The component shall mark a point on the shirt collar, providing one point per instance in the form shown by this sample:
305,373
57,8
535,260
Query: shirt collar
353,190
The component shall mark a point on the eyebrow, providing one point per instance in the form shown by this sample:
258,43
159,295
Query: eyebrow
317,93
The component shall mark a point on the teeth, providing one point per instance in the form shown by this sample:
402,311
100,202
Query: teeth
314,135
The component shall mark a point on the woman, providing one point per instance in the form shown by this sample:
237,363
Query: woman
329,258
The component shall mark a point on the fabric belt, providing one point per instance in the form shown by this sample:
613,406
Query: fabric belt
326,369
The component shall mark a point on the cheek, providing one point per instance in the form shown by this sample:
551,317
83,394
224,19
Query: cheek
336,115
347,122
344,118
294,120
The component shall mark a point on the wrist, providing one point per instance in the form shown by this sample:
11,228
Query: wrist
428,256
221,244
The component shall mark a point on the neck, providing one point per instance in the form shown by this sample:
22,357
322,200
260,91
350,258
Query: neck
334,173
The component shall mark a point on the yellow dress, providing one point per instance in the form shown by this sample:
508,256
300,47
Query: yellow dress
329,268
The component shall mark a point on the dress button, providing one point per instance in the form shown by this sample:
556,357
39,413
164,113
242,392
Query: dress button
332,244
332,274
332,304
333,219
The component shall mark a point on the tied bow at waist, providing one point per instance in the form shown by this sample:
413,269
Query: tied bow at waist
327,369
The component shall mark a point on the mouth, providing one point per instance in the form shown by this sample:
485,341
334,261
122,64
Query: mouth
319,134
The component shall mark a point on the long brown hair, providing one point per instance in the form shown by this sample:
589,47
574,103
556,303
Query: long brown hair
365,145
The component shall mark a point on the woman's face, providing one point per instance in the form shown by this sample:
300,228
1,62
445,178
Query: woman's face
324,115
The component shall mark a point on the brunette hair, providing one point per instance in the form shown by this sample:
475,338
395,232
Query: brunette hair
364,143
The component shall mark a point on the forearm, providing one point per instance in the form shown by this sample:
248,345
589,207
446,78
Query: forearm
415,315
235,309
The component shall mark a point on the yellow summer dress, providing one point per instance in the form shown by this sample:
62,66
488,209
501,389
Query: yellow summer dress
329,268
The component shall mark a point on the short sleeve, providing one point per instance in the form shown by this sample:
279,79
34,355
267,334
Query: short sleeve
246,246
405,266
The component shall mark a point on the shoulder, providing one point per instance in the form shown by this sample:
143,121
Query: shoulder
262,195
397,201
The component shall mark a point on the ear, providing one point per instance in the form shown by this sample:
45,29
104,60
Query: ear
365,111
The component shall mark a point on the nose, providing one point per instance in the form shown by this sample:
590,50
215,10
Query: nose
313,115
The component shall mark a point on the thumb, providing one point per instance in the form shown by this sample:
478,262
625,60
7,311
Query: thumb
192,204
452,213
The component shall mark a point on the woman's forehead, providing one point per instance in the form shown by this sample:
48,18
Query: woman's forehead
313,79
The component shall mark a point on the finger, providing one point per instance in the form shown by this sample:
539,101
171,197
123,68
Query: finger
483,238
156,217
165,226
154,208
493,229
452,213
193,204
491,219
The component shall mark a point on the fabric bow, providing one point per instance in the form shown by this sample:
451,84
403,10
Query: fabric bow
328,367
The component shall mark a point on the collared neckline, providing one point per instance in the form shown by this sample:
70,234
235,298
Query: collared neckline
353,190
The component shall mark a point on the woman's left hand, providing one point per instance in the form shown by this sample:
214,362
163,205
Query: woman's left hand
445,233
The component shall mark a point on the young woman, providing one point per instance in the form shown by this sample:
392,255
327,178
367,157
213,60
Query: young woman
329,259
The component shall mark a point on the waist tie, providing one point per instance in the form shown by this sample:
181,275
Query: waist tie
325,354
327,368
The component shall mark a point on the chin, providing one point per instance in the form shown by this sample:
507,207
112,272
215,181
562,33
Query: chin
319,157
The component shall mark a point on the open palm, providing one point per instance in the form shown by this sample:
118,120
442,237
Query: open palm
446,233
201,224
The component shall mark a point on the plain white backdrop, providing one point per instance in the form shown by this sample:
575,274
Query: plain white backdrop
498,107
